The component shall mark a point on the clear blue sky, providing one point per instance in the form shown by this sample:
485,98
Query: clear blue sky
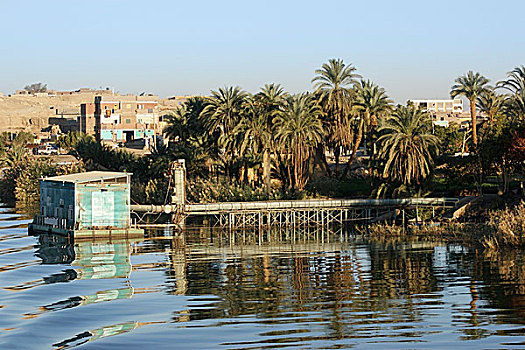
414,49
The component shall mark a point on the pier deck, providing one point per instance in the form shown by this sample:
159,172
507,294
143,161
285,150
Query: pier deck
308,212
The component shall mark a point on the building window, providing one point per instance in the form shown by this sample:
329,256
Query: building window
128,121
150,110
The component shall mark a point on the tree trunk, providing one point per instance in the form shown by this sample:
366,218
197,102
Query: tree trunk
337,150
473,120
322,159
355,146
505,176
267,171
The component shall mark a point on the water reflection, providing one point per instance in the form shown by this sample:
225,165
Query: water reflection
503,274
310,288
90,260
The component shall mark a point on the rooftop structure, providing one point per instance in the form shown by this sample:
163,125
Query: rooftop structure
92,176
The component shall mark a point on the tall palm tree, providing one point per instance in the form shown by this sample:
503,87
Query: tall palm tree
222,113
177,124
407,146
371,101
299,131
224,108
270,101
471,86
515,81
515,107
186,127
335,81
186,121
491,104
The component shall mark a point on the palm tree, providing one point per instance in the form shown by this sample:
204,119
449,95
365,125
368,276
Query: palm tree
299,131
223,109
515,81
491,104
222,113
371,101
471,86
335,81
177,124
186,127
407,146
270,101
515,108
15,155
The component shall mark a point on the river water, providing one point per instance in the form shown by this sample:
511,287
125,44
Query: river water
314,288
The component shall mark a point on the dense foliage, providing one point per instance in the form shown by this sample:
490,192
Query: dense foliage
272,144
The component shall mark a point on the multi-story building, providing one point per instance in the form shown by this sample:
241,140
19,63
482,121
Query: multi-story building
121,118
442,111
435,107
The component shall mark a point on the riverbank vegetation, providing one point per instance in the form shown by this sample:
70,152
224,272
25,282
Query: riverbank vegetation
346,138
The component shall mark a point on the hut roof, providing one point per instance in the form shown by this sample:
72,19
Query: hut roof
91,176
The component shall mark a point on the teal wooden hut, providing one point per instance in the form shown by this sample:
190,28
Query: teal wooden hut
85,204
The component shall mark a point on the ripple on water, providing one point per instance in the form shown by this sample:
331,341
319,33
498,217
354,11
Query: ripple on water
325,292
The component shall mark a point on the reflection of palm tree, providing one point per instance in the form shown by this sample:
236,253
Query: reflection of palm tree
471,86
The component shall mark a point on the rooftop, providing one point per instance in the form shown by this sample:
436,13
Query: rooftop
90,176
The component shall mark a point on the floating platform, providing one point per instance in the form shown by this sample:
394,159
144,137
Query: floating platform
115,233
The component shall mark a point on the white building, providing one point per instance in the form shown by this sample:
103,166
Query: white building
454,106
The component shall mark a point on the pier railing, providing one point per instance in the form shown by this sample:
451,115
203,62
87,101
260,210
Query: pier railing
316,204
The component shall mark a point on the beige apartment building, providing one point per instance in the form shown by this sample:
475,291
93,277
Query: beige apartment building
121,118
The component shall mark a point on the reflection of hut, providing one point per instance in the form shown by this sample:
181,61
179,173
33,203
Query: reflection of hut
102,260
91,260
85,204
